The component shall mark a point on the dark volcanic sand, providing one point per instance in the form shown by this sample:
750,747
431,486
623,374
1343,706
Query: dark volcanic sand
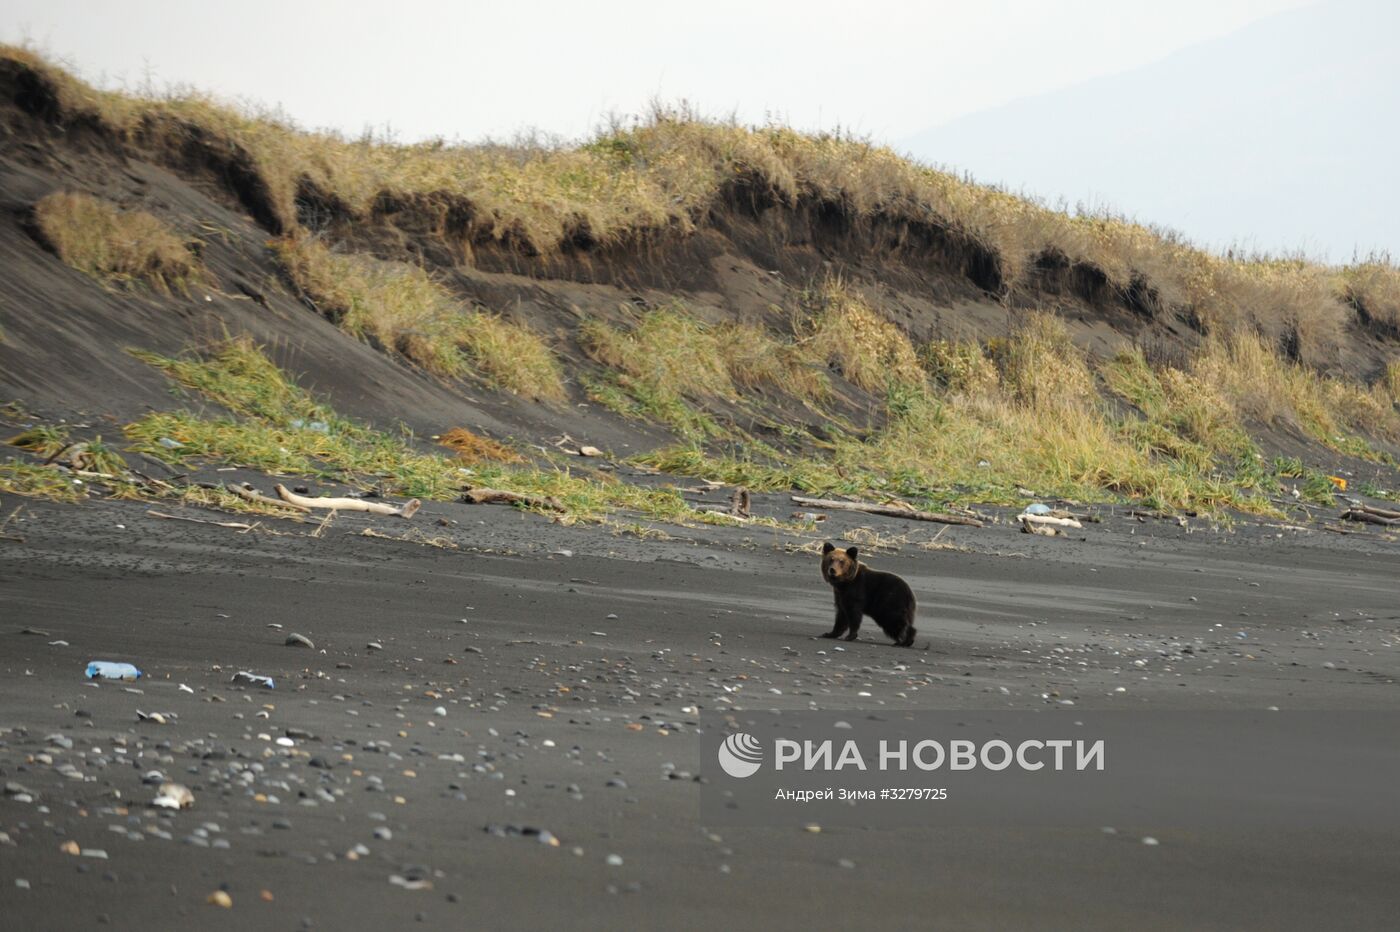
1065,619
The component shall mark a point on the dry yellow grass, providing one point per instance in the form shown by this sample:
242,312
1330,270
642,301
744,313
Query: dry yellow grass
475,448
670,350
669,171
404,309
1372,286
116,246
1030,418
395,305
959,368
511,356
1191,407
1390,382
847,333
1269,390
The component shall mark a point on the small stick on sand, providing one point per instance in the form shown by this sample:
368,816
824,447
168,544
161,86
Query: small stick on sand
727,515
237,525
407,510
502,497
889,511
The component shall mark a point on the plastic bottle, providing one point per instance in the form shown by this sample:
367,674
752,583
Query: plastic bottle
107,670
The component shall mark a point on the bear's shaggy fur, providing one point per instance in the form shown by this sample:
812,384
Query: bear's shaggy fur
861,591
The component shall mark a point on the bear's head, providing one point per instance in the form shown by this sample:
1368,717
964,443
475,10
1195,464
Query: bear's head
839,566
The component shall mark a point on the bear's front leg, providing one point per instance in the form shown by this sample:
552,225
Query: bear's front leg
845,620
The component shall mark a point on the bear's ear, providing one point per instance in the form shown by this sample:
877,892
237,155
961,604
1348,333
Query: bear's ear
851,552
827,547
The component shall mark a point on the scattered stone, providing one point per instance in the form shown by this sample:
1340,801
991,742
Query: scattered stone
17,790
543,836
173,796
220,898
297,640
401,881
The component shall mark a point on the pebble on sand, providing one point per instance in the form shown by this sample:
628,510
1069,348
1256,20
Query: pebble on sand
173,796
298,640
220,898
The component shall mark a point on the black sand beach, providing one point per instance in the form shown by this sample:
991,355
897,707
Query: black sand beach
571,686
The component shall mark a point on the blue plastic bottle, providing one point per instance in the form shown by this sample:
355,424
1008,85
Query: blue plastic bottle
107,670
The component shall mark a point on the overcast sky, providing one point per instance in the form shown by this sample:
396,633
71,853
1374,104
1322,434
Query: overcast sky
893,71
472,69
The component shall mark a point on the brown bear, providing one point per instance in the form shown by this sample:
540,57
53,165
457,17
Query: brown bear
861,591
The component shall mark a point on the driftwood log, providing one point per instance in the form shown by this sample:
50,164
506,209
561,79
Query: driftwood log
407,510
248,493
1048,521
1378,512
503,497
1368,516
889,511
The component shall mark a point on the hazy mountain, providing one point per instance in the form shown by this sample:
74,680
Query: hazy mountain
1281,136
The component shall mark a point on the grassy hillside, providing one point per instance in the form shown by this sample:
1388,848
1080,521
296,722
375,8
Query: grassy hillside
666,173
900,331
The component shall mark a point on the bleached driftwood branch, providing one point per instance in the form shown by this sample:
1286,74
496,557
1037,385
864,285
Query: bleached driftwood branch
889,511
407,510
